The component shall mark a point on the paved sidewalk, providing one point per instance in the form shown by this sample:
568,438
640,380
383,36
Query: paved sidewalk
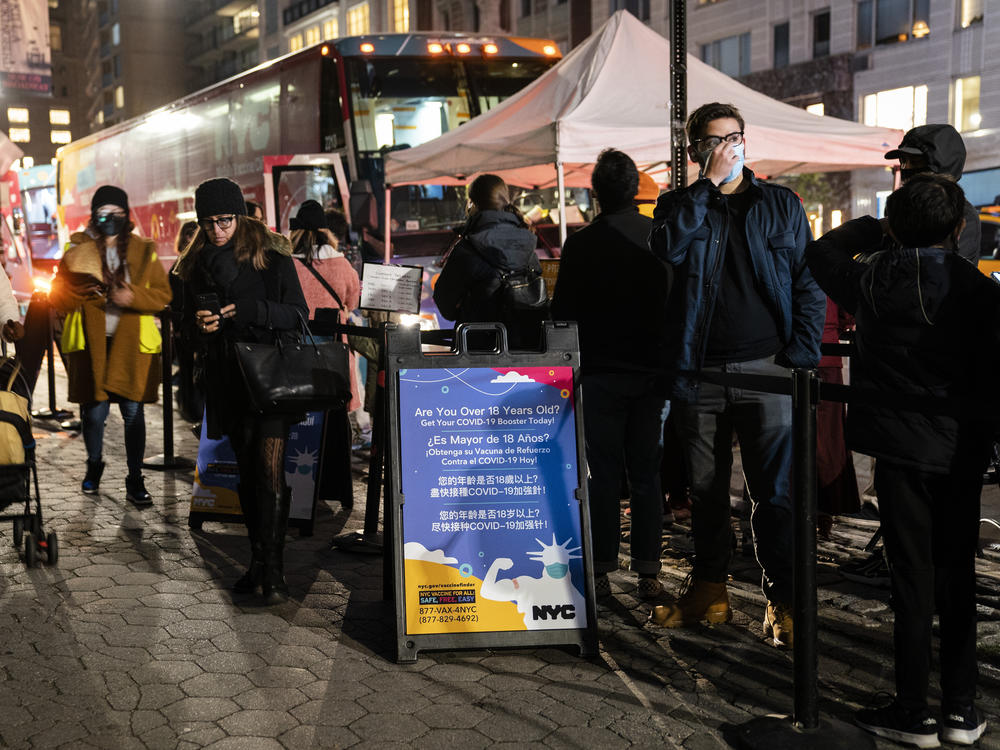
134,641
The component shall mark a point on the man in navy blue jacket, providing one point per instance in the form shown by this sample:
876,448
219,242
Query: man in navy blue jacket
928,333
743,302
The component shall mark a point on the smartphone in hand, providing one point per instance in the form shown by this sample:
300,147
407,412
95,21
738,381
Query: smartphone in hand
208,302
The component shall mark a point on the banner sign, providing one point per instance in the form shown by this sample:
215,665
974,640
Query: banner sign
25,58
491,529
217,477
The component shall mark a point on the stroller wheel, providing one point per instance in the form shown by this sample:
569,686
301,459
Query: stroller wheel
18,531
52,547
30,550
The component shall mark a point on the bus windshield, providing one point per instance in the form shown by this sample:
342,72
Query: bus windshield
401,102
494,80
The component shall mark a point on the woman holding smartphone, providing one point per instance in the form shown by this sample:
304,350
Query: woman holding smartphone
244,289
110,284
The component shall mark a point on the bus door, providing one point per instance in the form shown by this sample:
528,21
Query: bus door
291,180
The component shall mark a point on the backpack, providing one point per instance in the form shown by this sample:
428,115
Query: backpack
521,300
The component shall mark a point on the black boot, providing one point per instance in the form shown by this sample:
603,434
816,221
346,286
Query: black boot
252,579
135,492
274,522
92,480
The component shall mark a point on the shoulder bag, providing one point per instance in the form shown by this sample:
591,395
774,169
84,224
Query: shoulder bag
291,378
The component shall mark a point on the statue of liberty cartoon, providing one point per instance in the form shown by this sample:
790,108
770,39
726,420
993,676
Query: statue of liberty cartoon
551,601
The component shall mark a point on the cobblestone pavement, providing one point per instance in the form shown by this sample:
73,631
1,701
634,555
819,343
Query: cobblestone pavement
134,641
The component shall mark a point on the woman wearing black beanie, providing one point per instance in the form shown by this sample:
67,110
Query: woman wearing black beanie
110,284
243,280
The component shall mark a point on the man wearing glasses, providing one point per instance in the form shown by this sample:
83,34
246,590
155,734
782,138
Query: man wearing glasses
743,302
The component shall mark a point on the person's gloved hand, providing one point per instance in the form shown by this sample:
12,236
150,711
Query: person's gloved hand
13,331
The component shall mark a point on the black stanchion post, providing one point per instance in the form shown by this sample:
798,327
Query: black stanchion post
805,396
53,412
167,460
804,730
370,540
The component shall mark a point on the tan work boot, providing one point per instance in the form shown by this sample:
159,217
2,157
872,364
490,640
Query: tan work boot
699,601
778,624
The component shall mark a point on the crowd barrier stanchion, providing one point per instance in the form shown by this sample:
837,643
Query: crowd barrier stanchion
53,412
167,460
804,729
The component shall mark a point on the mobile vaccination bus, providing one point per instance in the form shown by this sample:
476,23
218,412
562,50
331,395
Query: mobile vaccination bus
312,124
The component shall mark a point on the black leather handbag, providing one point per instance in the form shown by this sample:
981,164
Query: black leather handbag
291,378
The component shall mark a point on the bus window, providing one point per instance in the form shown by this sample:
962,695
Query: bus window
296,184
400,103
492,81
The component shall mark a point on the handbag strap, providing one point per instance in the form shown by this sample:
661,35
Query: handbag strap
324,282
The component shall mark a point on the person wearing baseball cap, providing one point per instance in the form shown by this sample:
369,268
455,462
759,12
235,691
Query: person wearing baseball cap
939,149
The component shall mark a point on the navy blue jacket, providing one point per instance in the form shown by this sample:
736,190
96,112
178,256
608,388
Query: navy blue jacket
928,326
690,230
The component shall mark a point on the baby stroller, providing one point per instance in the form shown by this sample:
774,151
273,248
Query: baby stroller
17,466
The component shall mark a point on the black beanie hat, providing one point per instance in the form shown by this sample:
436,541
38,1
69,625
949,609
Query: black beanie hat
108,195
217,197
310,216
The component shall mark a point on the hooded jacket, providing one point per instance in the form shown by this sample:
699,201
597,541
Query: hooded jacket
616,290
690,231
944,150
928,327
465,289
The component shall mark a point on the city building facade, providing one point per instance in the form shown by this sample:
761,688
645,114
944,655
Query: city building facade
41,122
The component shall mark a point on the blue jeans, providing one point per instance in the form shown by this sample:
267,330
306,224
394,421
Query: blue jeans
623,423
94,415
763,425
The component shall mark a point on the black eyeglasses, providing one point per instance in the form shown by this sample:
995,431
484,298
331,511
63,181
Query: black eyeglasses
108,215
222,222
710,143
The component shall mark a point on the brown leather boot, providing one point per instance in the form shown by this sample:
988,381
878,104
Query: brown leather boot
700,601
778,625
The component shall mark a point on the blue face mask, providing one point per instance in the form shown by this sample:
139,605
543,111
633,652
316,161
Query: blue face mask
738,166
557,570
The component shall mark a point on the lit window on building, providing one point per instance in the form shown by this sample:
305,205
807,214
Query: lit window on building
730,55
969,12
312,36
55,37
17,114
61,136
401,16
120,97
358,20
59,116
901,108
116,34
20,135
816,109
891,21
967,116
100,117
27,162
246,19
331,29
295,43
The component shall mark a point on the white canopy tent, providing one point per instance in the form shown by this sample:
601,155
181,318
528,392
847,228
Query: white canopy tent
613,90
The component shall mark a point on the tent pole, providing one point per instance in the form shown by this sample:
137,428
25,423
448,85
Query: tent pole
678,93
387,234
561,186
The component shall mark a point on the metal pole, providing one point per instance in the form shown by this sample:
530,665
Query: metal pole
805,395
561,187
387,234
167,459
678,93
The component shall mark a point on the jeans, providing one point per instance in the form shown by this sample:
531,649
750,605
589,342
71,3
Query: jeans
930,524
623,425
94,415
763,424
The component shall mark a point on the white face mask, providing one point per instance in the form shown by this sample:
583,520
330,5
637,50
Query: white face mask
704,156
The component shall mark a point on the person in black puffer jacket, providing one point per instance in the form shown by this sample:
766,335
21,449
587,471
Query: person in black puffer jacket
250,270
495,237
928,333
